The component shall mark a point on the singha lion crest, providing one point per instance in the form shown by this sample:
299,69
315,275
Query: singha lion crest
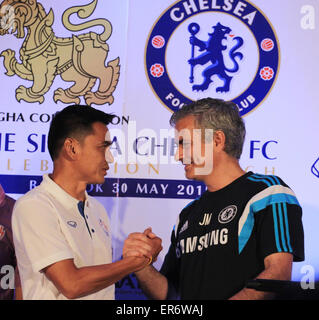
79,59
213,54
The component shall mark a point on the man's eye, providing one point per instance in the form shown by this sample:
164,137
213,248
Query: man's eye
106,144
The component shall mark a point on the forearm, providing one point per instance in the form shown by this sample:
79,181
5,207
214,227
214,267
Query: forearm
153,283
251,294
90,281
76,282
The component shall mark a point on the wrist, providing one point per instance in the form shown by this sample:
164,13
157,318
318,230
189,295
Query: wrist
136,263
141,271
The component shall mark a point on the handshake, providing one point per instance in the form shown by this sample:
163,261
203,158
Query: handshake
145,246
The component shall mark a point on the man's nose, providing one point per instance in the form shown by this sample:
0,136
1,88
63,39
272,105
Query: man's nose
108,156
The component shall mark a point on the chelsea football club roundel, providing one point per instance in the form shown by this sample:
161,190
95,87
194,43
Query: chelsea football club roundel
225,49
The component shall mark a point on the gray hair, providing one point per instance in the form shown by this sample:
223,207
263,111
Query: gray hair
218,115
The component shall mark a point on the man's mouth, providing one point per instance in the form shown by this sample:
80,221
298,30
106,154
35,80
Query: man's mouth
105,169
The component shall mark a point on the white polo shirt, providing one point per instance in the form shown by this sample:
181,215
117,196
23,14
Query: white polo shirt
48,227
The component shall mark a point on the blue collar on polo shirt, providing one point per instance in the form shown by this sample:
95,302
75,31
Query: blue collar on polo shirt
81,205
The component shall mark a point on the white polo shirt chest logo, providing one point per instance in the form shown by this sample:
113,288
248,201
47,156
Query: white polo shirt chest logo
72,224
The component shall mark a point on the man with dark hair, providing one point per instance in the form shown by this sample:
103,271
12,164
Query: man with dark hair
76,121
61,234
244,226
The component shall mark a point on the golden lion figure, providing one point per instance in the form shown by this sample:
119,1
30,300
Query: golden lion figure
80,59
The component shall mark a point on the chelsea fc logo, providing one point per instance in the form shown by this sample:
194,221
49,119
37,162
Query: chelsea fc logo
227,214
224,49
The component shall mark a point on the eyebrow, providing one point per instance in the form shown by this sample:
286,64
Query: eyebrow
106,143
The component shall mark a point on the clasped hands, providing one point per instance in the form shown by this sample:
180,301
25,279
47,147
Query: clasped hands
145,244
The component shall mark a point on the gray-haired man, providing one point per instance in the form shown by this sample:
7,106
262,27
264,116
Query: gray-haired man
244,226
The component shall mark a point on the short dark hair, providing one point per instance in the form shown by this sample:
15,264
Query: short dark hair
220,115
74,121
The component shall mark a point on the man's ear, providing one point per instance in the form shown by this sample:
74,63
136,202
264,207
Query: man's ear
71,148
219,140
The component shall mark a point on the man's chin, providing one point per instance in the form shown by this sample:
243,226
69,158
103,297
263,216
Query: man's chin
190,175
97,181
195,178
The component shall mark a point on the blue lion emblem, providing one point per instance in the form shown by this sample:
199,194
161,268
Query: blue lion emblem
213,53
215,59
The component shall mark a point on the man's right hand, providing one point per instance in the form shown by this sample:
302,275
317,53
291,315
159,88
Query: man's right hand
145,244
